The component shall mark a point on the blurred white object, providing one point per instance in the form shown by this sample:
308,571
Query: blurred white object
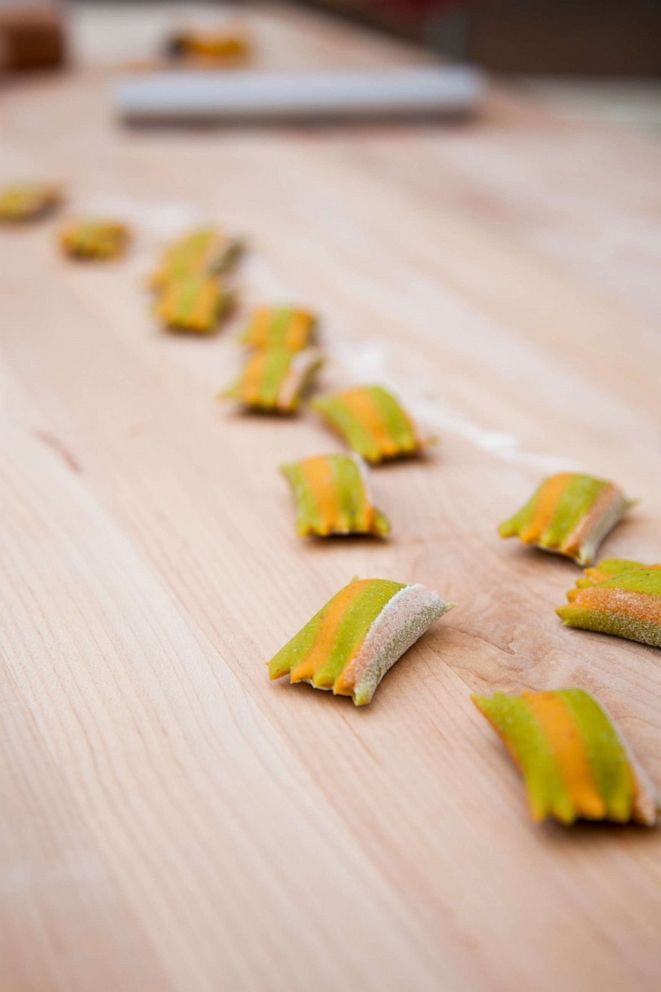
240,96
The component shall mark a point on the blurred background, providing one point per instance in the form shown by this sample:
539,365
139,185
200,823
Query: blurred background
555,36
602,57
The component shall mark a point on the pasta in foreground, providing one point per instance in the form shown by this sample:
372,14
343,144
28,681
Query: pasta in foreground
574,763
358,636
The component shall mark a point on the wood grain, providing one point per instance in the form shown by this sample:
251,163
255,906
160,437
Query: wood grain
171,821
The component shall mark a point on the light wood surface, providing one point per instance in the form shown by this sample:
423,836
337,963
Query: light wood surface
171,822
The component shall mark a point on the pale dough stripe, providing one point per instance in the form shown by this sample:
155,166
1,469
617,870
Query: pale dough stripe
604,502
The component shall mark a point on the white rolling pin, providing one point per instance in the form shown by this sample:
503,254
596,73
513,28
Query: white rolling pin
248,96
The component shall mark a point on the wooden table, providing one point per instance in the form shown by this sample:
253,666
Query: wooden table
172,821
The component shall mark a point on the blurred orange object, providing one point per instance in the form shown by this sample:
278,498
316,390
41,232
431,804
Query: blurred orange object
32,36
94,239
28,201
208,47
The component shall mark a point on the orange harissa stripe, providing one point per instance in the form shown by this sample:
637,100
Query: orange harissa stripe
295,336
259,326
205,298
568,748
319,475
168,301
253,377
635,605
328,631
360,403
604,502
547,503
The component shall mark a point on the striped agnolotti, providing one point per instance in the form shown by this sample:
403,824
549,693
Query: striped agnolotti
372,422
333,498
569,514
279,327
574,762
619,597
23,202
350,644
273,380
94,239
202,252
194,304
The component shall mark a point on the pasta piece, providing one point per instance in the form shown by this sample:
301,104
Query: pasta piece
332,497
28,201
209,48
573,761
202,252
94,239
569,514
372,422
194,305
279,327
607,569
273,379
617,597
358,636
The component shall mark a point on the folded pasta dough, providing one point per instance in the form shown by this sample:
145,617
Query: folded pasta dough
358,636
618,597
273,380
94,239
574,762
372,422
280,327
332,497
569,514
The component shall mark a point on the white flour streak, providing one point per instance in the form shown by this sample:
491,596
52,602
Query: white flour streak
496,443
